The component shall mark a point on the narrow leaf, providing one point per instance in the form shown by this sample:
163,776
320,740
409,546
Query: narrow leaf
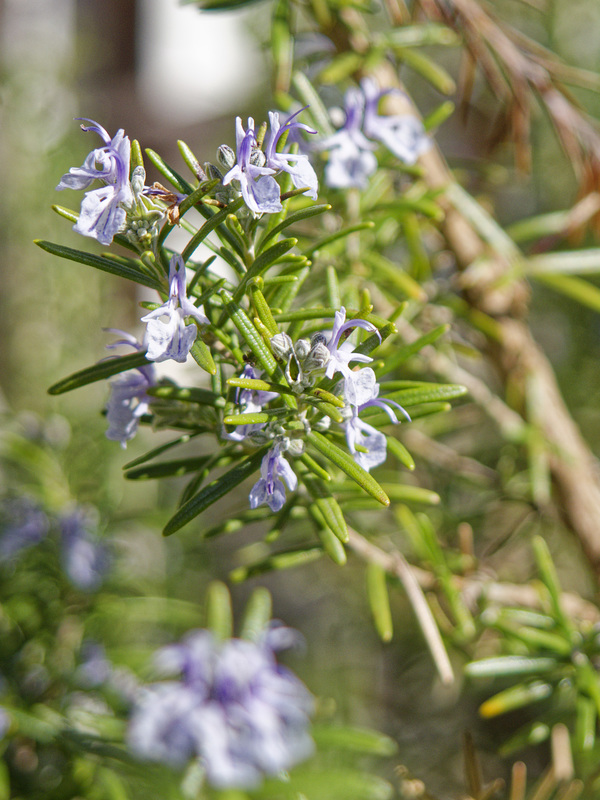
104,263
379,601
213,492
99,372
348,465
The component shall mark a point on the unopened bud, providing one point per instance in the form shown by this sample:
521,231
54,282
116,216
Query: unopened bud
281,345
212,171
138,179
257,158
302,348
226,156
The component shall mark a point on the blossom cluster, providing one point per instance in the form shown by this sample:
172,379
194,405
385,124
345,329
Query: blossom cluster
325,355
352,160
228,703
24,524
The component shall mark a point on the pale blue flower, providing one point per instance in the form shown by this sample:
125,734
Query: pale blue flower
128,400
366,394
85,557
23,524
342,352
259,189
403,134
297,165
173,338
102,211
351,159
269,488
233,706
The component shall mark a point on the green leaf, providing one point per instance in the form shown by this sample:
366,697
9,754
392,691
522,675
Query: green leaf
402,353
255,418
202,397
297,216
341,67
577,289
400,452
498,666
157,451
201,354
360,226
284,560
348,465
99,372
219,614
213,492
428,68
258,385
422,35
427,394
213,222
257,614
393,272
167,469
330,542
167,172
104,263
515,697
249,333
359,740
571,262
379,601
528,736
262,262
329,508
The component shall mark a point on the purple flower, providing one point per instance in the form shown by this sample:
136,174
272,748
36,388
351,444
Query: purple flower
342,354
95,669
233,706
85,558
297,165
102,210
351,160
22,524
403,134
128,400
259,189
173,338
358,432
269,488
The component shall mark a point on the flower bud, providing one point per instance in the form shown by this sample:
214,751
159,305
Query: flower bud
302,348
138,179
257,158
226,156
281,345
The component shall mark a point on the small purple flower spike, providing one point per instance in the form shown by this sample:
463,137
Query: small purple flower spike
233,706
366,391
341,355
298,166
173,338
128,399
403,134
259,189
86,559
102,210
351,160
269,488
